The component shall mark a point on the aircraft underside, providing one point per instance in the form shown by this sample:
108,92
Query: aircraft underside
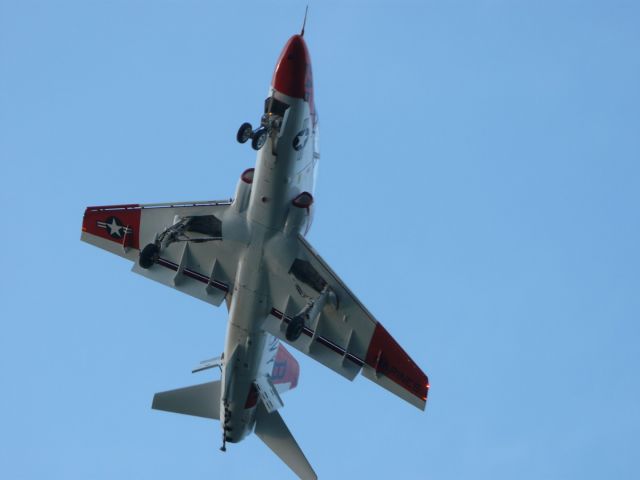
251,254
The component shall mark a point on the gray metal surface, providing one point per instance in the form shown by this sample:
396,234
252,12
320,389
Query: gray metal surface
198,400
271,429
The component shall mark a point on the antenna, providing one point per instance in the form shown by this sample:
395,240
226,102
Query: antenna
305,21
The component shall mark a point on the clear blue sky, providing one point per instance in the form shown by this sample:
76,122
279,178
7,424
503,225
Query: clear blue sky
479,190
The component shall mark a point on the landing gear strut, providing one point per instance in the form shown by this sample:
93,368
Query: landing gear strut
310,311
270,122
178,232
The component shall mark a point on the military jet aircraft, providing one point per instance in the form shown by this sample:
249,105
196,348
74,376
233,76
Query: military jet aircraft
251,253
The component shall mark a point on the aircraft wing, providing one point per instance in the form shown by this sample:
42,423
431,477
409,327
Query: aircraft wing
202,268
344,336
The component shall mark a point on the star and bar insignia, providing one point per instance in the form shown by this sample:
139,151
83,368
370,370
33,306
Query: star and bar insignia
300,139
114,227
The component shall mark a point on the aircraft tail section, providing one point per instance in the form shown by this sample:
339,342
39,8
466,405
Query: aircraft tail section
286,370
198,400
271,429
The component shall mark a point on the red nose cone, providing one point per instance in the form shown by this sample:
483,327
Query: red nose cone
293,71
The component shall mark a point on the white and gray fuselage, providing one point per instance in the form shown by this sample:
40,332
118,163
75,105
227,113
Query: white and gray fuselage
267,222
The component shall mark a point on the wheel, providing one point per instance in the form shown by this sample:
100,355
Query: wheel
244,132
148,256
295,328
259,138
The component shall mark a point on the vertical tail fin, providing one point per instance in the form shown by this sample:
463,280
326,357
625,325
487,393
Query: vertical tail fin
271,429
286,370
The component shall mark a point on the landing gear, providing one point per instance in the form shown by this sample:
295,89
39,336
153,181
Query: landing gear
270,123
295,328
309,313
207,227
259,138
149,255
245,132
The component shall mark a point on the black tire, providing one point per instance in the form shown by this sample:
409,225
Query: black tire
259,138
244,132
148,256
295,328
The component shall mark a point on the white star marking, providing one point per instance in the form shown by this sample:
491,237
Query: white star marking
114,228
301,140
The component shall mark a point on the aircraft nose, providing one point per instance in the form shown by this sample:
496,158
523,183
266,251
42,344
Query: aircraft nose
292,75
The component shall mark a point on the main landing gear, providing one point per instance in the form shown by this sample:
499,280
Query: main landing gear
205,226
258,137
149,255
296,326
151,252
310,311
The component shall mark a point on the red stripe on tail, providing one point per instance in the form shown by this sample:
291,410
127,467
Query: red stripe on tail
285,368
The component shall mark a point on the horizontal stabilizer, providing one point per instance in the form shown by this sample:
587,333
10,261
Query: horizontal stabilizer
271,429
199,400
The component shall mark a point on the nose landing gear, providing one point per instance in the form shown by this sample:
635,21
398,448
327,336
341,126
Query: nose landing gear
258,136
271,122
245,132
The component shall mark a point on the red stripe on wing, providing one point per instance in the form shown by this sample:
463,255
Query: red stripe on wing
118,223
388,358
